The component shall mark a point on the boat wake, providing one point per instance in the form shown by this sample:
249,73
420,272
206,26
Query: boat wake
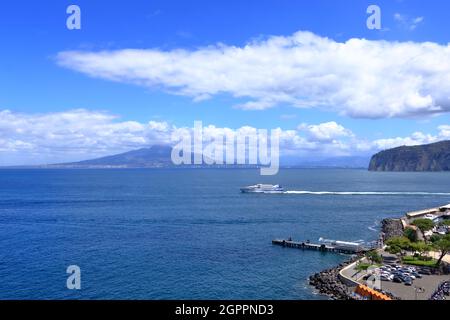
367,193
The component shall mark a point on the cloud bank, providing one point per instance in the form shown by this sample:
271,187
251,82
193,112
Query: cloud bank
358,78
70,135
84,134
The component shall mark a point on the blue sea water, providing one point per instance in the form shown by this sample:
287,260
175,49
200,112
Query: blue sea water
188,234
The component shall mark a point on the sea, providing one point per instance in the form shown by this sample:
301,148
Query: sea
189,233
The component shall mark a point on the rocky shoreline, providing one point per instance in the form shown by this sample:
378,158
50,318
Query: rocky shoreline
327,282
391,228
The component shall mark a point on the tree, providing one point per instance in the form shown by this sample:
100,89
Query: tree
420,247
443,245
411,234
423,224
435,238
394,249
373,257
398,245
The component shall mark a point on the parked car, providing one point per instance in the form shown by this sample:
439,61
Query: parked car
425,272
397,279
408,282
386,277
409,274
390,269
406,278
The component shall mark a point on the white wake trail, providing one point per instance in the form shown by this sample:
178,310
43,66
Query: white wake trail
367,193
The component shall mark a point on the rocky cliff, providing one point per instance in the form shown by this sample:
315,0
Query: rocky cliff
430,157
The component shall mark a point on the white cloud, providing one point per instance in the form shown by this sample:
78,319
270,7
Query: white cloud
416,138
358,78
82,134
71,135
327,131
444,131
409,23
158,126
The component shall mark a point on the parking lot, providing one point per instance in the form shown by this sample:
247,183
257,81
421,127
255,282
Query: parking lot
428,283
408,282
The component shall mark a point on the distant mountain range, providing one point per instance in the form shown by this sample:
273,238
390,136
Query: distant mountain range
154,157
159,156
332,162
430,157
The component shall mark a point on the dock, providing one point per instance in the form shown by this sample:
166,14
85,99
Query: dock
312,246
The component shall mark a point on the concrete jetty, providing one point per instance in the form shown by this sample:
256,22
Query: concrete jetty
318,247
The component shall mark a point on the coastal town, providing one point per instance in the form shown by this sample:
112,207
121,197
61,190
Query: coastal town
410,261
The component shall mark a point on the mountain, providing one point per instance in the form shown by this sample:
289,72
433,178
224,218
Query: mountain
159,156
333,162
154,157
430,157
347,162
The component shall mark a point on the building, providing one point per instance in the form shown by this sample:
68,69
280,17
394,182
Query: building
422,213
434,214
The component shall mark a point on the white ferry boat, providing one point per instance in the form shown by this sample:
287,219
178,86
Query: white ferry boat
263,188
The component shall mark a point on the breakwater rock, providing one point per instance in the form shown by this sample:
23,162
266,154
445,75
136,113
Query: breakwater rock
391,228
327,282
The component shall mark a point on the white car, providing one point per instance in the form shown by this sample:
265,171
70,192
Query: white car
391,269
409,275
386,277
387,268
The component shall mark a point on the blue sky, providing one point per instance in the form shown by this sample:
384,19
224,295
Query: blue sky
34,81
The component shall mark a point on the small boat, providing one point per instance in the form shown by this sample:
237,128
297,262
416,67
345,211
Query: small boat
263,188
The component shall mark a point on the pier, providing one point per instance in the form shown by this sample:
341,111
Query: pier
314,246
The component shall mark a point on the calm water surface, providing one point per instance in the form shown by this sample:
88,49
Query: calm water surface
187,234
